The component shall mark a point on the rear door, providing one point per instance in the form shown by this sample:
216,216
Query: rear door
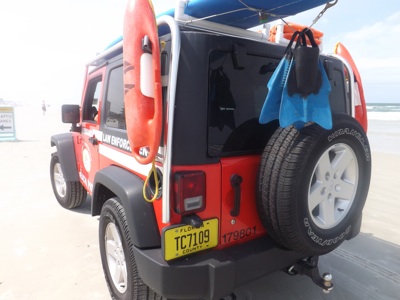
240,221
237,94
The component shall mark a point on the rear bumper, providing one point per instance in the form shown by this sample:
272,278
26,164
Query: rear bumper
212,274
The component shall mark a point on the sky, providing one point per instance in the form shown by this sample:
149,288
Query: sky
45,44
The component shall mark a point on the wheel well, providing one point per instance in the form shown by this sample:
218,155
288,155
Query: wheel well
102,196
66,154
114,181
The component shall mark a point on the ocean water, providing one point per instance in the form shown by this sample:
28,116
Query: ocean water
383,111
384,127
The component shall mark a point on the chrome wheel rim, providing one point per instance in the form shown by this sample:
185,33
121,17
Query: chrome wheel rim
59,181
116,258
333,186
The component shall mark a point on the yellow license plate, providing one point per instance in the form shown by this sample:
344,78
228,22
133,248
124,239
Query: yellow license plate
179,241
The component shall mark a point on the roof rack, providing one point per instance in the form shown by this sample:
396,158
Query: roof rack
110,52
281,8
209,26
186,21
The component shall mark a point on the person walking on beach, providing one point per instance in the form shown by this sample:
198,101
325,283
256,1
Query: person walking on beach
44,108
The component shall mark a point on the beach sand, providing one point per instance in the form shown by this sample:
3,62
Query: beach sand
48,252
381,215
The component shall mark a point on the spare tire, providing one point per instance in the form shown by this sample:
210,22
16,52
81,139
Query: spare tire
313,183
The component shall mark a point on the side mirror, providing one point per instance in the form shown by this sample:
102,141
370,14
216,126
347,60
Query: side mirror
70,113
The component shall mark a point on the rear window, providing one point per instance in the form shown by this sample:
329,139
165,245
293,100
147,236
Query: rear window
236,96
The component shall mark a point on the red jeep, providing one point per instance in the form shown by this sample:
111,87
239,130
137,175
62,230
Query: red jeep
234,199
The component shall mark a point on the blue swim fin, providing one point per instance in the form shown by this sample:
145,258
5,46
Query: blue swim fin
297,110
272,104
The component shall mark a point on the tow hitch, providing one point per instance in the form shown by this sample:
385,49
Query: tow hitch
309,267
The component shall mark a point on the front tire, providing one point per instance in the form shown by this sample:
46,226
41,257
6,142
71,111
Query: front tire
117,256
69,194
315,183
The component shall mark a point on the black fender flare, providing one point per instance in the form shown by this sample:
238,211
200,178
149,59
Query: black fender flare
140,214
66,155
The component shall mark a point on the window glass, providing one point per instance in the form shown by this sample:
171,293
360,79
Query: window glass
236,96
114,102
91,105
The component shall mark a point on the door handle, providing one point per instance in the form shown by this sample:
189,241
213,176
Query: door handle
94,141
236,181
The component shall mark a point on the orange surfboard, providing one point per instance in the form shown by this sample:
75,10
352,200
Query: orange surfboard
142,80
359,101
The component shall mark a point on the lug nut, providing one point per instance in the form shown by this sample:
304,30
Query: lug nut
327,176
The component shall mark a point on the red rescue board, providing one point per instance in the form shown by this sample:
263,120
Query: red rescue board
359,103
141,55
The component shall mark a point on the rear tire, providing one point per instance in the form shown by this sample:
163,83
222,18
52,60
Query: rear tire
313,185
69,194
117,256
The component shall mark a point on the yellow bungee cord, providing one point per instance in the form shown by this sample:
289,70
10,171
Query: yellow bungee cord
153,170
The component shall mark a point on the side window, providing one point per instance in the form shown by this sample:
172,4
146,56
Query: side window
91,105
114,103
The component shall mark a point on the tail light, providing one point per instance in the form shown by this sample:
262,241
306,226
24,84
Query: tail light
190,192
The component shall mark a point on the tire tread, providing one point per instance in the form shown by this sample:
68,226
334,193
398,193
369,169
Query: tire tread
140,291
282,183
